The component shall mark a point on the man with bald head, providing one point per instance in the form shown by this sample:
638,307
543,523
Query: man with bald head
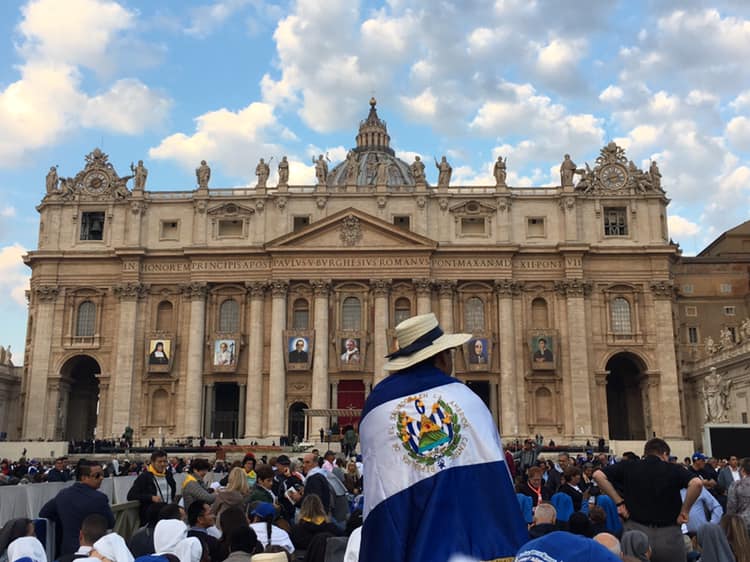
610,542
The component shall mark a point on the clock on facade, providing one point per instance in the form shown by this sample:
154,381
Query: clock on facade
613,176
95,181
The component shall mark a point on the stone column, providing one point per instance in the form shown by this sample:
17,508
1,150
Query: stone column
196,293
665,420
320,389
445,292
209,405
137,208
254,397
506,289
241,412
424,294
600,404
36,393
55,413
277,379
580,397
380,289
200,220
124,372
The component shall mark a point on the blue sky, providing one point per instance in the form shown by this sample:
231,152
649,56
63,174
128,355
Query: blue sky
231,81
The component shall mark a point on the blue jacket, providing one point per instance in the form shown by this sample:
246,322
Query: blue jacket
70,507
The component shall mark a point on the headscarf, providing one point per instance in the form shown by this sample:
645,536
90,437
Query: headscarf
635,543
28,548
13,529
613,523
563,505
113,546
714,544
170,537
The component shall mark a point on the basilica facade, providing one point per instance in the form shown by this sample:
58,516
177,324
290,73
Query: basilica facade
267,311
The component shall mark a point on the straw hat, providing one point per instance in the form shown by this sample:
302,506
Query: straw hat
419,338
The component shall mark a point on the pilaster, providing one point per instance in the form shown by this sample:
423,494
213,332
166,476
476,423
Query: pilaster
254,392
380,289
423,289
196,294
506,289
446,289
320,384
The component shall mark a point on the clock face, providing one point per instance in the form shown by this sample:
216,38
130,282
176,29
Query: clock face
613,176
95,182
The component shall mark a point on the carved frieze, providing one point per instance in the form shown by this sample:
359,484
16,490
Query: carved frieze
98,181
446,287
47,293
321,287
508,287
423,286
663,289
351,231
194,291
380,287
279,288
130,291
573,287
256,289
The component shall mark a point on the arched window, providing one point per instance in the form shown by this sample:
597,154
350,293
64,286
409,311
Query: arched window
543,405
539,318
621,321
86,320
164,316
402,310
159,407
229,316
474,315
351,314
301,314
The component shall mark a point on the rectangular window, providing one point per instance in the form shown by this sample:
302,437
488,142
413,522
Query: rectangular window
691,311
615,221
92,226
733,333
402,221
301,222
687,289
472,225
744,417
729,311
170,230
725,288
535,227
230,227
692,334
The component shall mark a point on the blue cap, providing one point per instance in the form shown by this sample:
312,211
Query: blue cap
560,546
699,457
263,510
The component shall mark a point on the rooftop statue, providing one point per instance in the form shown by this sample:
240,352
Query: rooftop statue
444,172
262,170
140,173
500,171
203,175
283,171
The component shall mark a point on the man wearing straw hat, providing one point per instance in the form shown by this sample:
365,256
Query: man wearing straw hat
435,479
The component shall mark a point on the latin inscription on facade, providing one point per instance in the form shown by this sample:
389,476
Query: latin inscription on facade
539,264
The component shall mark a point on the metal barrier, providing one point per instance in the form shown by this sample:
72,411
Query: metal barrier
127,518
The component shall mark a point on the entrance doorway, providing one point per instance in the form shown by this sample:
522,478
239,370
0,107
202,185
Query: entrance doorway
226,410
625,391
481,389
351,394
79,398
297,422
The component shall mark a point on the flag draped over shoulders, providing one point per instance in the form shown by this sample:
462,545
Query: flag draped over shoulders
435,477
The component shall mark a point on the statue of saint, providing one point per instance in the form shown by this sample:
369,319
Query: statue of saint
140,173
716,397
283,171
417,170
725,338
655,174
710,345
567,170
500,171
321,170
745,329
52,180
352,168
203,174
262,170
382,176
444,172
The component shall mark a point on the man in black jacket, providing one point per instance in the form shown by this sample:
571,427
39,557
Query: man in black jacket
155,485
70,507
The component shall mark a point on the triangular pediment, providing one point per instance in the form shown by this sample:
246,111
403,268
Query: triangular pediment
351,229
230,210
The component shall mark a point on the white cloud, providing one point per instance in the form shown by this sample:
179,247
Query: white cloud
738,132
742,101
680,227
8,211
14,275
611,94
235,139
128,107
557,61
423,106
205,19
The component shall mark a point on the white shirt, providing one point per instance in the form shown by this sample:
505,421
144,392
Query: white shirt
278,536
352,547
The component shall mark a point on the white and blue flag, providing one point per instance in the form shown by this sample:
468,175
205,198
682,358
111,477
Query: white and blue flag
435,478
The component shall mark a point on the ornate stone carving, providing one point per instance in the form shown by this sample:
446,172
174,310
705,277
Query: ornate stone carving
614,174
46,293
446,287
200,206
508,287
745,329
716,397
421,201
725,338
382,202
279,288
504,204
710,346
662,289
256,289
351,231
281,203
129,291
423,287
138,207
321,287
443,202
567,203
97,181
573,287
321,202
194,291
380,287
260,205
